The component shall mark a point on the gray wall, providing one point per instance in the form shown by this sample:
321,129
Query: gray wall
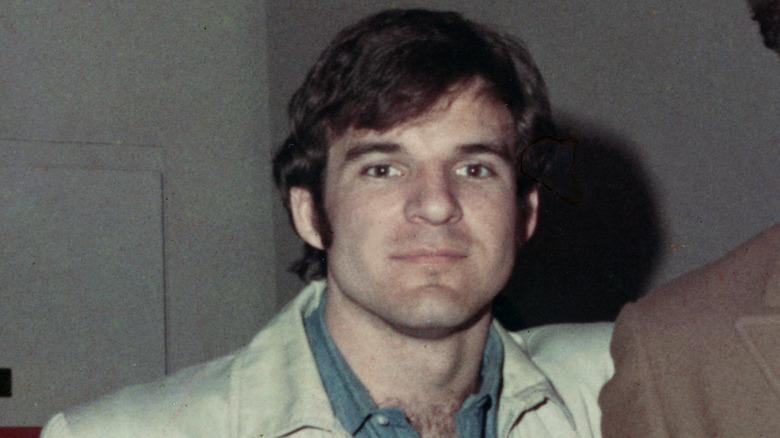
674,107
172,91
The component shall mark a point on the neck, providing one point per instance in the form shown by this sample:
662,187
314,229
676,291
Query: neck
435,372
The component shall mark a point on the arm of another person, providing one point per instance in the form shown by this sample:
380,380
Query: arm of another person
629,402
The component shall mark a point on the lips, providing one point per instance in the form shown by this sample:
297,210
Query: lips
430,256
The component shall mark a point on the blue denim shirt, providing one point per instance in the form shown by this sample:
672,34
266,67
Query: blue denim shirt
356,410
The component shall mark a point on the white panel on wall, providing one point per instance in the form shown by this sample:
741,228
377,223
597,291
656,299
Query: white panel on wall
81,275
100,79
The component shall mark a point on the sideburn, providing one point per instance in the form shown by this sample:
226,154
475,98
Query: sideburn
321,221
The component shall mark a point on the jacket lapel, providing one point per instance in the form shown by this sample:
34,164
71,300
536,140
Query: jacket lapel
276,387
772,297
761,333
762,336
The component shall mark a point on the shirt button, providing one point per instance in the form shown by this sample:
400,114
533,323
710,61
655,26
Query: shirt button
381,420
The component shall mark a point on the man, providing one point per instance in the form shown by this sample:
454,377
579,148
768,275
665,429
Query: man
402,174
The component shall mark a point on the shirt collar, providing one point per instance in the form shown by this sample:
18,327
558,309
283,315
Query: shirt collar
351,402
353,405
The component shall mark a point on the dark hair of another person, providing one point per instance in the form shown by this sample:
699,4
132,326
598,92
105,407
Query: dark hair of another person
767,14
390,68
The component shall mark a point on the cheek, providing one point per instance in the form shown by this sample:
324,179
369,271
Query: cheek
355,214
496,214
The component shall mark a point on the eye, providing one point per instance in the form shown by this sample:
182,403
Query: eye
382,171
475,170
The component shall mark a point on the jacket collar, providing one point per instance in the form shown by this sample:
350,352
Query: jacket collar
276,387
772,296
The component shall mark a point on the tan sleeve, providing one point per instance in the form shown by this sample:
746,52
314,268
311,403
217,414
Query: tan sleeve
57,427
629,401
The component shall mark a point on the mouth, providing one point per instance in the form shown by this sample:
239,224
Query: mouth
430,257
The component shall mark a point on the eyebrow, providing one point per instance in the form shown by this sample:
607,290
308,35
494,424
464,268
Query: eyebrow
361,149
498,149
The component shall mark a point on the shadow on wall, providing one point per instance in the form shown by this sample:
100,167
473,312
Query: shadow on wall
598,238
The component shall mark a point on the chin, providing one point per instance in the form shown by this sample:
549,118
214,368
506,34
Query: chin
432,319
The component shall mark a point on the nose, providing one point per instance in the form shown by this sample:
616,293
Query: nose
433,199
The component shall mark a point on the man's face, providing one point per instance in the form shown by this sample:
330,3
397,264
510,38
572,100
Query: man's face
424,216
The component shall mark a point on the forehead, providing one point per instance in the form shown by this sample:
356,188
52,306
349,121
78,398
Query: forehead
466,114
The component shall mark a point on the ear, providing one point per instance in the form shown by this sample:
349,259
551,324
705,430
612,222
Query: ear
530,216
305,216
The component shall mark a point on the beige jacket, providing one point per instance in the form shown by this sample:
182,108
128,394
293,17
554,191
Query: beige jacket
271,388
700,357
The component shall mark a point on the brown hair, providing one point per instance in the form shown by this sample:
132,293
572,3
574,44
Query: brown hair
390,68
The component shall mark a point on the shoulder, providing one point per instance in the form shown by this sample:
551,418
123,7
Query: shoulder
575,359
733,285
749,266
575,352
205,400
192,400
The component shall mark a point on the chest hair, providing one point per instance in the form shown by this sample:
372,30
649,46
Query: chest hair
431,420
